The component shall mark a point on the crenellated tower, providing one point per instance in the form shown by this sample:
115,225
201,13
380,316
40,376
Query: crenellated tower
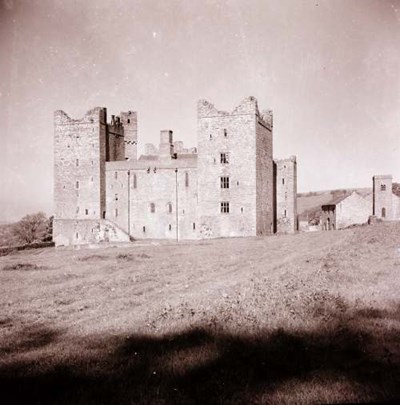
235,169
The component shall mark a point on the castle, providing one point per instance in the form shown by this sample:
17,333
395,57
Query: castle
229,186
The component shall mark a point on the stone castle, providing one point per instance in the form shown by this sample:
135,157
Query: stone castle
229,186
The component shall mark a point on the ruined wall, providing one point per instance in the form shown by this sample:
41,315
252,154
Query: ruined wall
79,165
382,197
68,232
286,195
233,134
328,218
354,209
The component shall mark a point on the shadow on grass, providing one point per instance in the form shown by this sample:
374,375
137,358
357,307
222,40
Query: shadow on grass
206,366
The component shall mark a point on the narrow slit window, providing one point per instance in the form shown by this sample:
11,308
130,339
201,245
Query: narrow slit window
169,227
194,226
115,175
77,184
152,208
283,181
86,211
77,162
169,208
116,212
186,179
134,181
225,133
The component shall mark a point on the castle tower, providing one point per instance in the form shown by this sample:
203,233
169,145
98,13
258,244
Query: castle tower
235,171
382,197
166,148
285,178
129,122
79,165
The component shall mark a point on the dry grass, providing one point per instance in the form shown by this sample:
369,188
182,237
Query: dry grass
309,318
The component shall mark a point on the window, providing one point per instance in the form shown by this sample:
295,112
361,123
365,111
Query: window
285,196
116,197
283,181
91,179
383,212
194,226
115,175
86,211
241,210
116,212
383,187
77,184
77,210
225,207
129,120
210,137
144,229
169,207
186,179
224,182
77,162
224,158
134,181
225,133
152,208
169,227
77,235
284,213
92,162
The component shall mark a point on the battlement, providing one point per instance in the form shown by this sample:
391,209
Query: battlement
383,177
290,159
247,106
97,114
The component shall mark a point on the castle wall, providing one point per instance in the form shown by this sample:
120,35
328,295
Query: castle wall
264,178
153,183
115,146
79,163
382,197
233,134
286,195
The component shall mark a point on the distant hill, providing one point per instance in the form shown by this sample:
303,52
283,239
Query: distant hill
309,204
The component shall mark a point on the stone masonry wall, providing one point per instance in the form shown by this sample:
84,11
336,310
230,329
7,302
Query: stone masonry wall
234,134
382,197
79,154
264,180
286,195
129,121
153,183
354,209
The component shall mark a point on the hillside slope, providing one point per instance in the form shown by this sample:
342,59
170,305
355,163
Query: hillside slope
303,319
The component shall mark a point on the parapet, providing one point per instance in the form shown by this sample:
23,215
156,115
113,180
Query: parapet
207,109
290,159
97,114
382,176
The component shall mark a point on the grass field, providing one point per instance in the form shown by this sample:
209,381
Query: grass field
308,318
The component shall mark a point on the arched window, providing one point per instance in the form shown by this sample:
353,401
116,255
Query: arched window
152,207
134,181
383,212
186,179
169,208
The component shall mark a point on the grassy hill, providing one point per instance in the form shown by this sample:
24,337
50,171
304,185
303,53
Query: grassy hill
308,318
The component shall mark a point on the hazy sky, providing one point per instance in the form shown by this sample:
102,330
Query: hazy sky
330,70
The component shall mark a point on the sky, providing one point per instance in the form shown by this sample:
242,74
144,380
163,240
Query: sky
329,69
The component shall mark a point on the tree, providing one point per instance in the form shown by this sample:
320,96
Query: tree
31,228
